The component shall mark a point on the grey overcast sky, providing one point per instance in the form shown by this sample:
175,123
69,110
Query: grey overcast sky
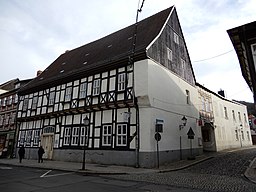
33,33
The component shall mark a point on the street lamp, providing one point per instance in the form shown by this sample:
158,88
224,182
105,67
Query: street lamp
86,121
184,122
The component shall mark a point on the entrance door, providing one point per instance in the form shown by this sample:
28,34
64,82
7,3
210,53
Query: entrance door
47,144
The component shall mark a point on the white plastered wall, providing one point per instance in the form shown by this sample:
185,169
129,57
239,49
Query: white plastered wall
162,95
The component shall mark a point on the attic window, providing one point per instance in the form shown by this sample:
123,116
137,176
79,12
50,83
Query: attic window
109,46
62,71
176,38
85,62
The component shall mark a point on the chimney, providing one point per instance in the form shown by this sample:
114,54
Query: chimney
38,73
221,92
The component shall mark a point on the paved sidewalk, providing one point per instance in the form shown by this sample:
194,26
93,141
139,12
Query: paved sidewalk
100,169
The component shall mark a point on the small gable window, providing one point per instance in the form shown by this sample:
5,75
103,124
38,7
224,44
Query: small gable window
176,38
169,54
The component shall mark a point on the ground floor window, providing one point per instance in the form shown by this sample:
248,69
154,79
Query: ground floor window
122,135
75,136
67,133
22,137
107,135
36,137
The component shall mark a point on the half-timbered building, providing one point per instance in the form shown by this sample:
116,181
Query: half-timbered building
8,106
136,86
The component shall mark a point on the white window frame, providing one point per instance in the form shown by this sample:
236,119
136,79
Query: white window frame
121,135
107,135
96,87
169,54
176,38
16,98
67,134
83,135
25,104
75,136
22,137
34,102
188,97
83,90
51,98
68,93
121,82
28,137
36,137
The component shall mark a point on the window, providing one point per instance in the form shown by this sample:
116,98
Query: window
36,137
75,136
242,133
7,119
239,116
83,136
245,119
28,137
169,54
122,135
25,105
67,132
9,100
34,102
248,135
234,116
1,119
226,112
176,38
96,87
51,98
121,82
107,135
22,137
16,99
68,94
203,103
187,96
83,88
236,132
13,118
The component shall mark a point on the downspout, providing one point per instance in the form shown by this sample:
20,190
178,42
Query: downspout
17,127
135,103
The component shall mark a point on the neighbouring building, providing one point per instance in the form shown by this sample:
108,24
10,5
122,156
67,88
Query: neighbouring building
140,100
8,104
224,123
244,42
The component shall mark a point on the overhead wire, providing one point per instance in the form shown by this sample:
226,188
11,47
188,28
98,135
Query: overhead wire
214,56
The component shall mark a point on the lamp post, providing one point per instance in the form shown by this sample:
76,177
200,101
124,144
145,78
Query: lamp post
184,122
86,124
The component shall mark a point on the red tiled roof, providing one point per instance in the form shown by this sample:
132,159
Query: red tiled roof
108,52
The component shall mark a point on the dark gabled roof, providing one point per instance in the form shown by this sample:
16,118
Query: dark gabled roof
106,53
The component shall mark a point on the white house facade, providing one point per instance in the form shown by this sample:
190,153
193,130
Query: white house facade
224,123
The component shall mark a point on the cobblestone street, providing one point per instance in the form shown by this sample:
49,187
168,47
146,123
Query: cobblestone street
222,173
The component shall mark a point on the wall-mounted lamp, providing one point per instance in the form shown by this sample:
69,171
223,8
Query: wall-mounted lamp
184,122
